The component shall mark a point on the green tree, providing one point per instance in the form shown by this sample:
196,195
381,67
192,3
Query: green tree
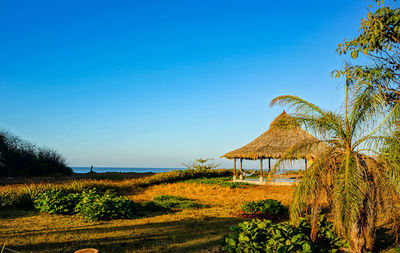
379,42
357,185
201,163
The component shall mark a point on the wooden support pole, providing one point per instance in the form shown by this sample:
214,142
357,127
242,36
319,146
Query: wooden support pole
269,165
241,169
305,163
261,169
234,169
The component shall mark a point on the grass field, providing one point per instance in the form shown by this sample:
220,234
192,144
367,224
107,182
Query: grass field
189,230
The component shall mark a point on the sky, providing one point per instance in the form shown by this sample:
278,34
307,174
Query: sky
158,83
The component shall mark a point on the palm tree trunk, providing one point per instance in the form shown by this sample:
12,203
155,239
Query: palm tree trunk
357,240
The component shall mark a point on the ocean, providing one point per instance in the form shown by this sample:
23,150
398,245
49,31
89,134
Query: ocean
142,170
122,169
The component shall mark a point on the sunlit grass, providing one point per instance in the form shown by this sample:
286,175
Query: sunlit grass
183,231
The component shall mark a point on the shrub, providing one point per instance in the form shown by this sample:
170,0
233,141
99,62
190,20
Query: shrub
106,206
264,236
175,202
21,158
267,207
57,201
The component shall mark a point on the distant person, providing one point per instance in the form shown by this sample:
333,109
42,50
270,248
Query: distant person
91,169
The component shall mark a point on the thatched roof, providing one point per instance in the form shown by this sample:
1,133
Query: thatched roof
283,133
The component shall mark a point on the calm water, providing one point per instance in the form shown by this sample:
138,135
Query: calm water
139,170
121,169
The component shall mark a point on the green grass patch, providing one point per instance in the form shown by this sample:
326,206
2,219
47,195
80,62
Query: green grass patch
149,209
175,202
221,181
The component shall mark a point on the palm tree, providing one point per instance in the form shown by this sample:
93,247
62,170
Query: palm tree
356,182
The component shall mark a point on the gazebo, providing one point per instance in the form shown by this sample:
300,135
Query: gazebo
284,132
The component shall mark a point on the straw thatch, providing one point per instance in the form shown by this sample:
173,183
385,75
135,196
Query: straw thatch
283,133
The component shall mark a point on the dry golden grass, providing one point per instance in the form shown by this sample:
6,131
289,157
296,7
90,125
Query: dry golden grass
193,230
224,199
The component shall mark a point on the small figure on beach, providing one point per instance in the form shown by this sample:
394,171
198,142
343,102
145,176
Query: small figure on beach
91,169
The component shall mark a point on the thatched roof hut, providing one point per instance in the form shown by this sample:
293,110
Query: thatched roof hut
284,132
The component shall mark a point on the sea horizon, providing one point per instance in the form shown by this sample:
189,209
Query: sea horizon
103,169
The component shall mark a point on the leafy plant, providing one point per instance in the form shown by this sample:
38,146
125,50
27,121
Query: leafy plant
104,206
356,185
264,236
268,207
57,201
175,202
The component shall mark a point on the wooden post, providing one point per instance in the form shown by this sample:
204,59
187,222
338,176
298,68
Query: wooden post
241,169
305,163
234,169
261,170
269,165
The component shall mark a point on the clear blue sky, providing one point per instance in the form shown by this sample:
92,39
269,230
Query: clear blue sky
156,83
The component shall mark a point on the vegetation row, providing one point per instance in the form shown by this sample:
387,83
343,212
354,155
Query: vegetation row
91,205
264,236
22,196
94,206
19,158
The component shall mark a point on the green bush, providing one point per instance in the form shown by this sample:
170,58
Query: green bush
264,236
22,196
104,206
175,202
57,201
268,207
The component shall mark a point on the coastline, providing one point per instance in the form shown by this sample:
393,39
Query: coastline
74,176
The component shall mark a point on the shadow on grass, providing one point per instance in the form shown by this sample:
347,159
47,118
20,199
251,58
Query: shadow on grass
15,213
150,209
173,236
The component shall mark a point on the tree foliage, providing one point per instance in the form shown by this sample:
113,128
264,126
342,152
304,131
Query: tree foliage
21,158
379,42
201,164
357,185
